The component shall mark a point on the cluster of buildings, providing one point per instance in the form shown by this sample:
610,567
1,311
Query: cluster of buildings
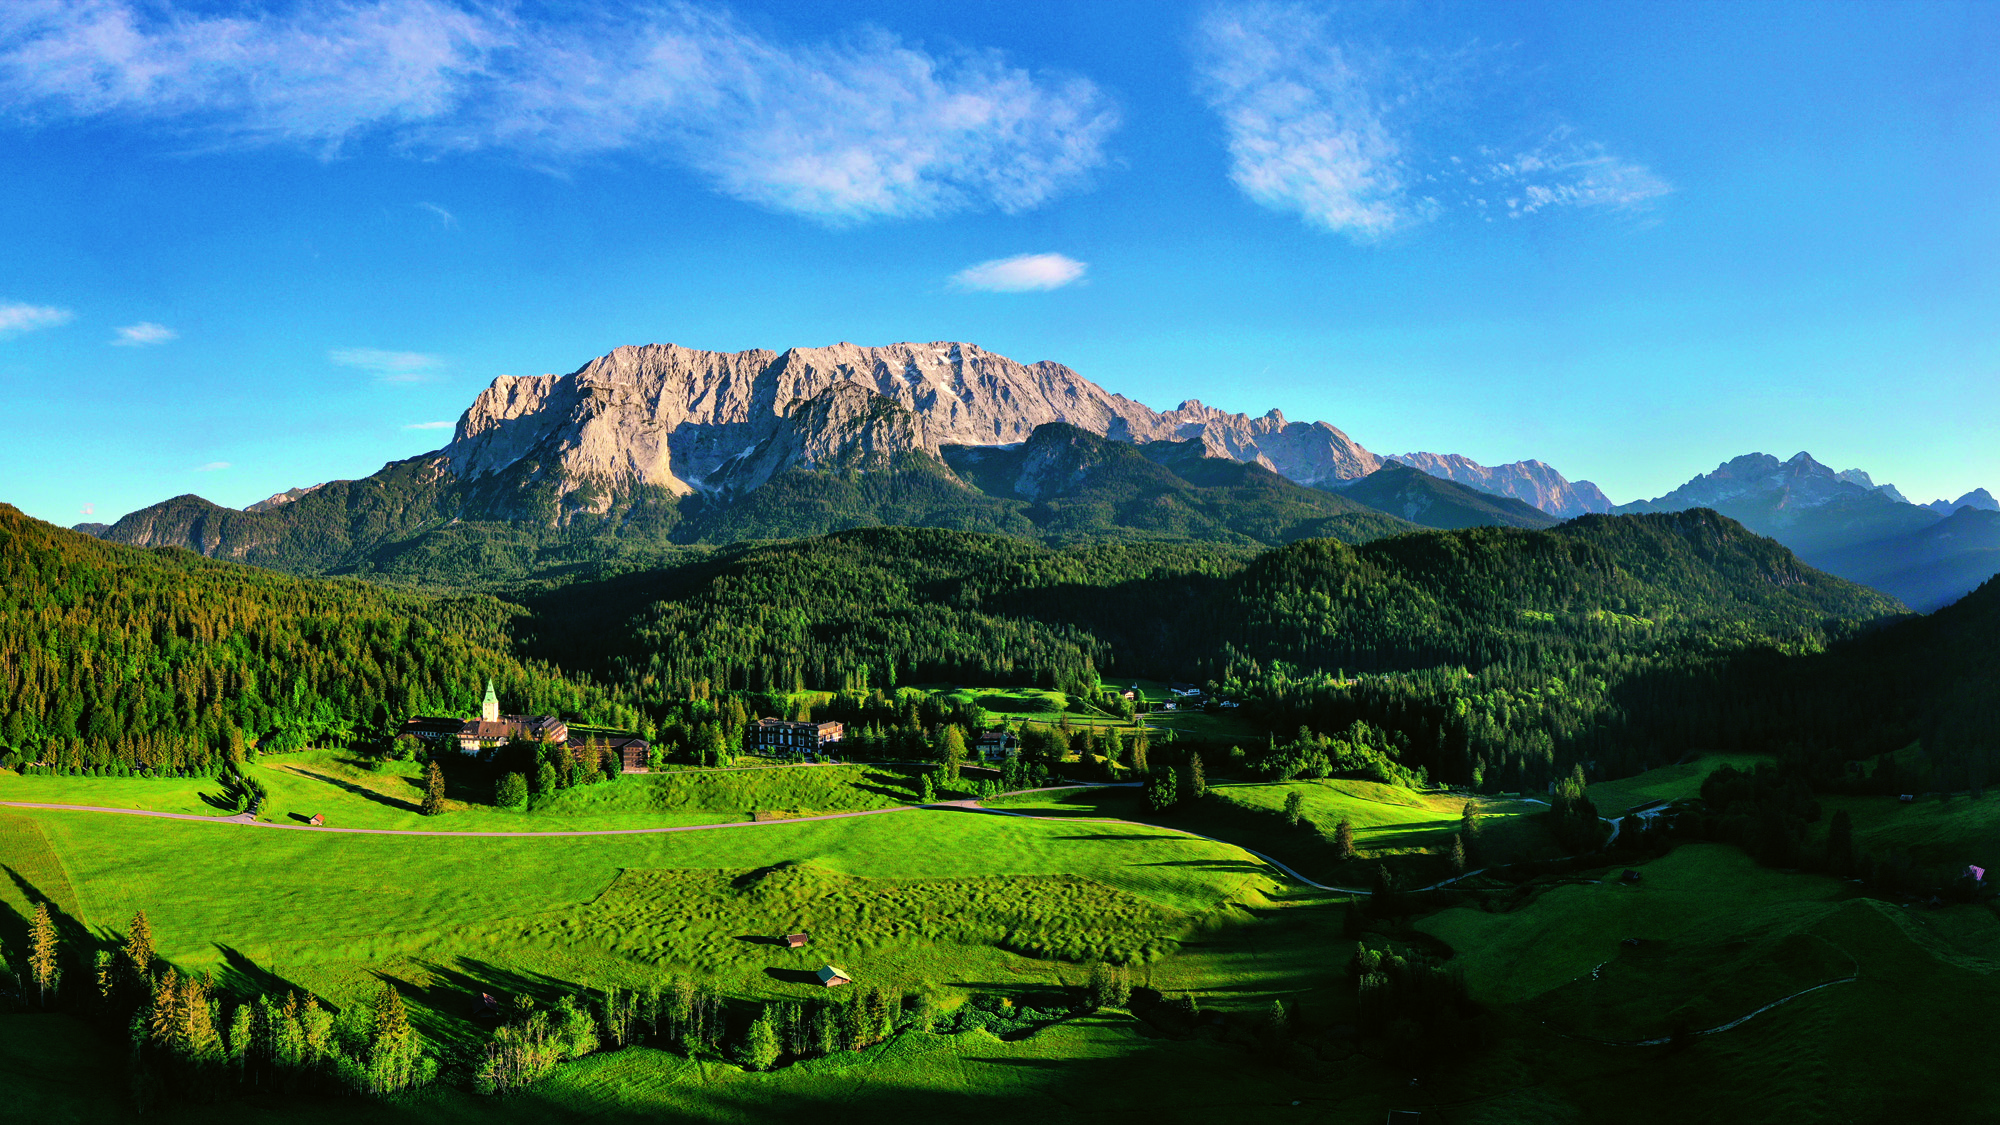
491,729
775,737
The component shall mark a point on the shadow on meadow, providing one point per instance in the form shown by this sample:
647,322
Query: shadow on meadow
361,791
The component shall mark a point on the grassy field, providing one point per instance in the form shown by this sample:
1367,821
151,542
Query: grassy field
1668,783
1943,833
1401,827
1038,705
954,902
1722,938
342,788
940,900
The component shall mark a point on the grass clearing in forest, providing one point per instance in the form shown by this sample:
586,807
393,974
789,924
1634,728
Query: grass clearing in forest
1401,827
1667,783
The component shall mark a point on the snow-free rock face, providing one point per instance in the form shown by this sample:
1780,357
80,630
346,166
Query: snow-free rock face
283,498
1978,499
688,420
1532,482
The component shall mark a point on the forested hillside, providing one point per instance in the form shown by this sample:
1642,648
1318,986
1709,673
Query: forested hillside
161,658
1498,655
1487,655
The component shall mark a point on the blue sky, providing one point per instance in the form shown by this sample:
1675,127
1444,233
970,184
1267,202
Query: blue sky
251,247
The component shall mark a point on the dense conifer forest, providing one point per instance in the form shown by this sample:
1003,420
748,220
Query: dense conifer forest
1487,656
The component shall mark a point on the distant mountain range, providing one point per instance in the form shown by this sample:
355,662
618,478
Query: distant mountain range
1927,555
662,445
649,448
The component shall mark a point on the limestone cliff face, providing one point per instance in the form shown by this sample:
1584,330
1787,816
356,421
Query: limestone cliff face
1531,481
716,422
846,426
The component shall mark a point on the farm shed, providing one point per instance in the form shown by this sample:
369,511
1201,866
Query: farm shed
832,977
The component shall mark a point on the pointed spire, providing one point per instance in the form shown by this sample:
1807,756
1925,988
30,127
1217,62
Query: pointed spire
490,709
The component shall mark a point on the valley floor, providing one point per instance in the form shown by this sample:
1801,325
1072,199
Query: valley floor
1875,1003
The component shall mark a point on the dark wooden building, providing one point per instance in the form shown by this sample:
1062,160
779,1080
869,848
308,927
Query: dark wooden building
778,736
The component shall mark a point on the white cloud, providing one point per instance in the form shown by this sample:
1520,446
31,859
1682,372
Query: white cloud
1020,273
212,466
445,217
389,367
26,318
430,425
143,333
1321,128
1305,126
90,509
1563,173
863,127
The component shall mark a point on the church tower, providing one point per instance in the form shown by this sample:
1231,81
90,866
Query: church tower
490,710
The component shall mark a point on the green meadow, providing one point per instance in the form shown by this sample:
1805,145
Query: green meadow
957,902
1668,783
1406,830
343,789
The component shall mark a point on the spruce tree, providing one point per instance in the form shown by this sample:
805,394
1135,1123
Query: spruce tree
1457,854
137,955
43,964
1197,780
433,789
1343,840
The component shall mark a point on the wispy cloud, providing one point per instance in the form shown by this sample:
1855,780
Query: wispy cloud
1320,127
444,217
430,425
1305,125
1021,273
26,318
860,127
90,509
211,467
1561,172
142,334
387,366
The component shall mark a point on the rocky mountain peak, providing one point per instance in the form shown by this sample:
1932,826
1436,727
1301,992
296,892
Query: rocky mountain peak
1531,482
694,421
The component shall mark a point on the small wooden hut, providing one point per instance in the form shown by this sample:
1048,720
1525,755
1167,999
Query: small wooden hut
317,819
834,977
795,941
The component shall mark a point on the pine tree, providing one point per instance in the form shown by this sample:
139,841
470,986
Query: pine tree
433,789
1139,754
1277,1025
1295,807
43,963
1343,840
1197,780
1457,854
